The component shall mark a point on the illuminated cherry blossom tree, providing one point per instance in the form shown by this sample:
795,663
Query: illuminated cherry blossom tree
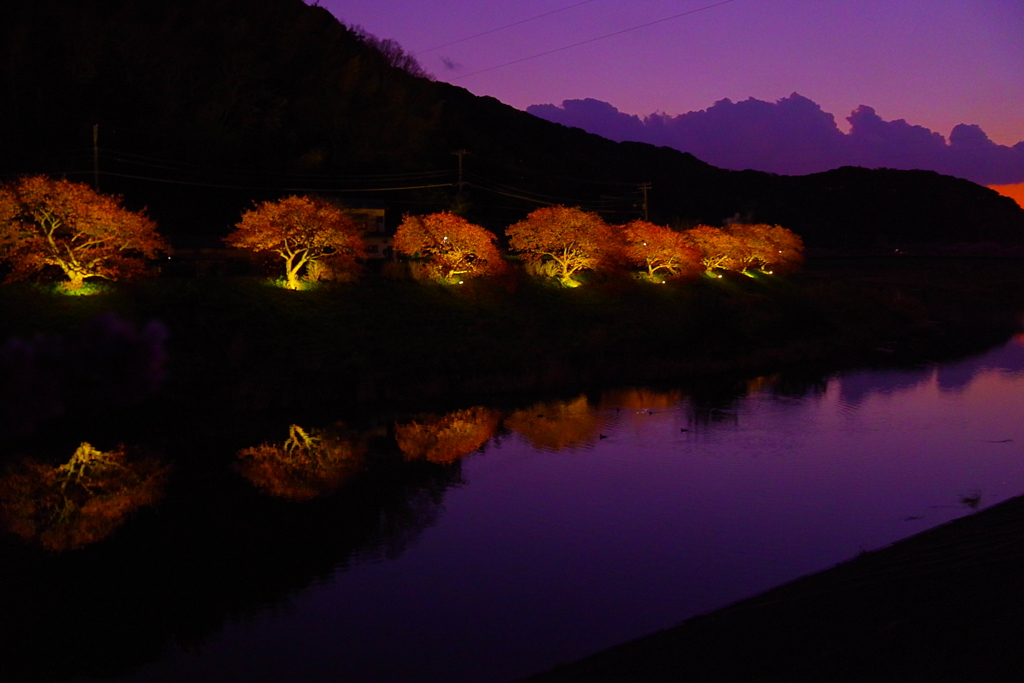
303,231
453,247
563,241
718,249
771,248
661,250
49,224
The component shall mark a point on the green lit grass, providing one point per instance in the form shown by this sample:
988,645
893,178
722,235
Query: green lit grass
89,288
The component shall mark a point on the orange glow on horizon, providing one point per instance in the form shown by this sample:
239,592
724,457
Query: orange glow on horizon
1014,192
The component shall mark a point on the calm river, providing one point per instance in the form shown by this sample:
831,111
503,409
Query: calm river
588,522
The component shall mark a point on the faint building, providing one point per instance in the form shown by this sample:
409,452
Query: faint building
379,244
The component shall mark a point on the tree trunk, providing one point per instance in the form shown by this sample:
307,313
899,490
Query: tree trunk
291,269
76,278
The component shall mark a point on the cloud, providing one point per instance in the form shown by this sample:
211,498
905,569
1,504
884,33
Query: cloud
794,136
593,116
450,64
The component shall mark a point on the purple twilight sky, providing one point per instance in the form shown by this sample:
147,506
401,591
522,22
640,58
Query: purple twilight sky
935,63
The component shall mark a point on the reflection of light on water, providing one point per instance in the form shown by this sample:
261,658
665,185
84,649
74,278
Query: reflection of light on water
554,425
305,466
762,383
80,502
955,376
544,556
639,399
447,438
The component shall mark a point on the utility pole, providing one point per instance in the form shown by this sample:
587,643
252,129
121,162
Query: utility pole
460,153
643,188
460,204
96,157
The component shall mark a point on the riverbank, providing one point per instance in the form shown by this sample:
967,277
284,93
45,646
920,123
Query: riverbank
239,348
214,545
944,605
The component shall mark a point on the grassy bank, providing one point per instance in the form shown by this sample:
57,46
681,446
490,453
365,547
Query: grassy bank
238,346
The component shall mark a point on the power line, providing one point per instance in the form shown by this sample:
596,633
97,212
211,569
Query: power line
480,182
279,183
143,160
578,181
502,28
536,200
515,196
603,205
221,186
540,198
495,183
594,40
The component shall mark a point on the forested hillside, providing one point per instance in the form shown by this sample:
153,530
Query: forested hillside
202,107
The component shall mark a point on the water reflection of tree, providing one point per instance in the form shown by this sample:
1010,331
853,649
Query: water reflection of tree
80,502
305,466
217,552
640,399
447,438
799,385
554,425
715,403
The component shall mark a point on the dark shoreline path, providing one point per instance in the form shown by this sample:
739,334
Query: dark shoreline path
946,604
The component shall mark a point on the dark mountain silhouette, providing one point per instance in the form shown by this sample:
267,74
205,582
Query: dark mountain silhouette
794,136
206,106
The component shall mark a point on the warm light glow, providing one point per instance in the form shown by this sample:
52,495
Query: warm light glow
300,285
86,289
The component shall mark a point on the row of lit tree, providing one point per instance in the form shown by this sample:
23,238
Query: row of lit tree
48,224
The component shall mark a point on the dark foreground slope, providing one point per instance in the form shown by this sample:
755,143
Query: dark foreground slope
944,605
203,106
